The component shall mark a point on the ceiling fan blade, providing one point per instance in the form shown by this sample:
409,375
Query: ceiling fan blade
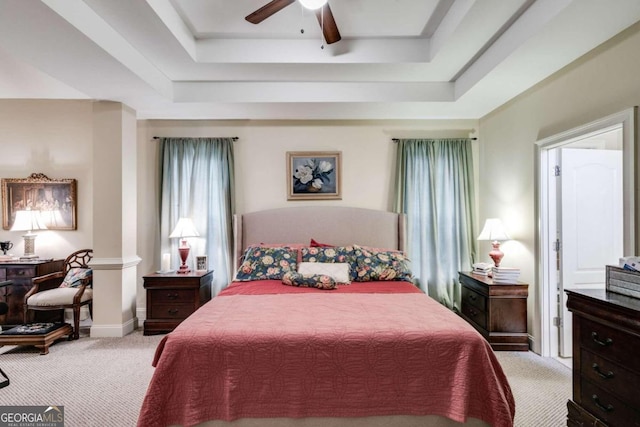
267,10
330,28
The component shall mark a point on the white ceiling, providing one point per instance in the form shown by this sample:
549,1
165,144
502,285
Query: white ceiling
200,59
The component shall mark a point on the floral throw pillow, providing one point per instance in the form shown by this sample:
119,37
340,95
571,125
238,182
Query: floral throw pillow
262,263
75,276
330,254
372,265
319,281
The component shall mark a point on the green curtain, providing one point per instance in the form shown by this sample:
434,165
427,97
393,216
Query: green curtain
434,188
197,178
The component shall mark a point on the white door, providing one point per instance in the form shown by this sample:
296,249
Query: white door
591,224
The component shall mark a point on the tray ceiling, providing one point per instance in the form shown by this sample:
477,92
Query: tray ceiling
200,59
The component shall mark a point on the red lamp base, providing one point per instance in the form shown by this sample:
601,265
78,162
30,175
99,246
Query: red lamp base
184,254
496,254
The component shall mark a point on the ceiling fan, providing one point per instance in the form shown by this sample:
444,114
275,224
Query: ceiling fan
323,13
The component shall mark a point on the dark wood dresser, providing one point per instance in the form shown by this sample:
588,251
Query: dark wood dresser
497,311
20,274
606,359
171,298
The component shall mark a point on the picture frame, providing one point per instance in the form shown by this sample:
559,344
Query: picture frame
56,199
202,263
314,175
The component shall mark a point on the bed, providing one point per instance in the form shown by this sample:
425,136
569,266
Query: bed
371,353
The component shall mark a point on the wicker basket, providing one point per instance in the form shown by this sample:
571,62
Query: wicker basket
621,281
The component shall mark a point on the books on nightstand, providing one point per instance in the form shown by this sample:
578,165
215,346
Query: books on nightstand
482,268
505,274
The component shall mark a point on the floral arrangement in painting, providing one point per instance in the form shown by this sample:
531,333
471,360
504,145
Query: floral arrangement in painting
312,175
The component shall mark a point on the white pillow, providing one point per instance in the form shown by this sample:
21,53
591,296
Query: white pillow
338,271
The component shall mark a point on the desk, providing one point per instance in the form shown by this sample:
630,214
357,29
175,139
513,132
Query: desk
20,274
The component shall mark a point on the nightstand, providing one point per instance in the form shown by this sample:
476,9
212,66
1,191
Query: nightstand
497,311
171,298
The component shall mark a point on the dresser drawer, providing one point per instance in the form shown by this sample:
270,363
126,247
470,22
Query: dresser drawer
21,273
173,296
170,311
474,299
611,377
608,408
612,344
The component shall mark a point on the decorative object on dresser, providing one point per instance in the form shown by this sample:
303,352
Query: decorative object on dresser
20,273
28,220
54,198
606,361
495,232
497,311
70,287
171,298
184,229
314,175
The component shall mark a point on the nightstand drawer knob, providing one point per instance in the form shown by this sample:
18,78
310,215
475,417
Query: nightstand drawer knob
473,312
594,336
605,375
603,408
472,297
172,296
172,311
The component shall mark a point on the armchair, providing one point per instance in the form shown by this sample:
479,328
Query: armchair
69,288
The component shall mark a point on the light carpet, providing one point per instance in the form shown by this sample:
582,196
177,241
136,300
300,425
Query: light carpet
102,381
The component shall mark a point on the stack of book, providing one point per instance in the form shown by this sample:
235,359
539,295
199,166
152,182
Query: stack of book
505,274
482,268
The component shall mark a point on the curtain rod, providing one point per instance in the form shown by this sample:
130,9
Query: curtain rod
235,138
398,139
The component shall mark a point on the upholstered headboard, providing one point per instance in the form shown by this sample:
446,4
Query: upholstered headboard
334,225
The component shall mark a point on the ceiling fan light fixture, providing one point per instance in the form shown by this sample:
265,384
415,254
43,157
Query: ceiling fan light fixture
313,4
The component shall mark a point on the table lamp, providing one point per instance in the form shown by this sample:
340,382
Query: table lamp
184,228
28,220
494,231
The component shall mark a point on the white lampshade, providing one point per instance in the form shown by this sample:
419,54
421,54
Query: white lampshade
28,221
493,230
184,228
313,4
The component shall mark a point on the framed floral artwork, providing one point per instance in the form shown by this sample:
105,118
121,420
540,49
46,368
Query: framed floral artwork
314,175
53,199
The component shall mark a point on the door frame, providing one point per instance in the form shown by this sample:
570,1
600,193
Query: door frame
546,301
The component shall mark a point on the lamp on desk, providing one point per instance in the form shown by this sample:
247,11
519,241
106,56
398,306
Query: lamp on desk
494,231
28,221
184,228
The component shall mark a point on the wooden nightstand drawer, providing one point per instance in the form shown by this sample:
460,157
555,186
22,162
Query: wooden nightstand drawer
608,408
473,299
610,343
611,377
171,311
173,296
474,314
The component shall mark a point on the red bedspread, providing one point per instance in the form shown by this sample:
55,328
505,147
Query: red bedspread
324,354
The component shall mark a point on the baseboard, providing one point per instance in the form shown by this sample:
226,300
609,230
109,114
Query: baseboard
141,313
114,331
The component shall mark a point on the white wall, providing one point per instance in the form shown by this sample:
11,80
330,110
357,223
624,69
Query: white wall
604,82
54,138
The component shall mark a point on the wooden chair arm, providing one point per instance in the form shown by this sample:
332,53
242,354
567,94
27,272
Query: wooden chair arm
87,281
55,275
45,282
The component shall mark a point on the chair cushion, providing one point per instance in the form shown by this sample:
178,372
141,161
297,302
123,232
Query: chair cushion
74,277
58,296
